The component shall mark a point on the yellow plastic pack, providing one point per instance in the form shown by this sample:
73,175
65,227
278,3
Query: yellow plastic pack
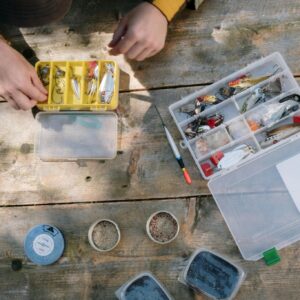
59,81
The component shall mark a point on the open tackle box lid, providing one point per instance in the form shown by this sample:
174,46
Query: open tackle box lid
77,127
258,197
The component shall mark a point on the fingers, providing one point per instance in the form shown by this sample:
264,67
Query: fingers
12,103
33,93
38,84
120,31
125,43
22,100
136,50
145,54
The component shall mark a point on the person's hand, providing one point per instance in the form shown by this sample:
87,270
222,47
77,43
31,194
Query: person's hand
141,33
19,83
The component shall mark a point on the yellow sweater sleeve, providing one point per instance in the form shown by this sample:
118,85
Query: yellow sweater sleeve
169,7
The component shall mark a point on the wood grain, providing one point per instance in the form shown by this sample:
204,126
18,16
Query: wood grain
144,168
83,273
202,46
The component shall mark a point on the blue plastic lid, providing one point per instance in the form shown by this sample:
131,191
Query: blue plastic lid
44,244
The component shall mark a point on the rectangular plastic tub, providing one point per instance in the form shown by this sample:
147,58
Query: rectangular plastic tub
143,286
66,100
70,135
75,123
250,194
212,274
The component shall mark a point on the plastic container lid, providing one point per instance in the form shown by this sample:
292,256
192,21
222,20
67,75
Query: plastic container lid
70,135
143,286
44,244
256,204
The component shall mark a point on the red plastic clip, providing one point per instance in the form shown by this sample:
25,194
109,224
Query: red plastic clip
211,123
207,169
216,157
296,119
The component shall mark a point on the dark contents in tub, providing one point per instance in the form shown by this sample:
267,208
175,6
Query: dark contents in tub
145,288
213,275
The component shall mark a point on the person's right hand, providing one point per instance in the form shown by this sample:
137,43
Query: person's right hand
19,84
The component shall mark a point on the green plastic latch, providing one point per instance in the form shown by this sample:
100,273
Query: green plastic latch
271,257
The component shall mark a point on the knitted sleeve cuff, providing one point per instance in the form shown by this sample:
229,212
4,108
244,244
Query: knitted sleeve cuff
169,7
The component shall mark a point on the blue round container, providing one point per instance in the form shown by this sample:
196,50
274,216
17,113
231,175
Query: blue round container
44,244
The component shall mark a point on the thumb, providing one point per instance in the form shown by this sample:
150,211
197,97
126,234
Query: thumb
120,31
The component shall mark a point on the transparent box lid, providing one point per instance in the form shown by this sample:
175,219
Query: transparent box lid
258,201
70,135
256,204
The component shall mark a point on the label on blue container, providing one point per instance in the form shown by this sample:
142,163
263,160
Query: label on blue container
44,244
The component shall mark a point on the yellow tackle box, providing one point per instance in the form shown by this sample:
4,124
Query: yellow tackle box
79,69
75,122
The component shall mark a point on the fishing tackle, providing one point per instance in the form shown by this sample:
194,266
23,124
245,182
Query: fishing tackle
294,97
226,92
92,77
59,86
202,125
260,95
200,104
75,85
44,72
106,88
277,111
279,133
256,97
235,156
246,81
195,129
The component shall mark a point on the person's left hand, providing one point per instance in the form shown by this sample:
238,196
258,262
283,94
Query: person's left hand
141,33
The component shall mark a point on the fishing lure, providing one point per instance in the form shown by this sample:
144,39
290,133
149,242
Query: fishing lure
256,97
44,72
106,89
93,74
235,156
200,104
246,81
194,130
59,86
202,125
279,133
277,111
225,93
75,84
261,95
75,87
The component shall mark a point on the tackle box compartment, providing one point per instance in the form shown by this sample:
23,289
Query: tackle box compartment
76,126
258,207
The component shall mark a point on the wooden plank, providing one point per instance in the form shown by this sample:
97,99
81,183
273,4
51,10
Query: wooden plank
144,169
202,46
83,273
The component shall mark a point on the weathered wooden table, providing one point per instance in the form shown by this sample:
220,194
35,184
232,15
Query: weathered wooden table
202,47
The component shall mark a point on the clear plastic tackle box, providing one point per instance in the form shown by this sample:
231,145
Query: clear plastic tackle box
255,196
75,124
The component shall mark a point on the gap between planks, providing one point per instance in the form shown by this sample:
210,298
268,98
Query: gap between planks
200,196
297,77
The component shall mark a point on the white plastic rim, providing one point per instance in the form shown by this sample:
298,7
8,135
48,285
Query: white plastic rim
148,227
90,233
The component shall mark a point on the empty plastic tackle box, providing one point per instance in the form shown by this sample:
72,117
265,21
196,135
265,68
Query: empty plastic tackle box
77,121
257,195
